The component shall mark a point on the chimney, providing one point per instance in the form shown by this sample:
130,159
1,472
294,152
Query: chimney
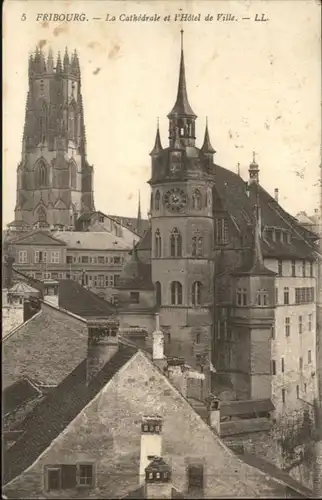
158,479
151,442
276,194
102,345
176,371
213,406
179,373
158,344
9,261
51,292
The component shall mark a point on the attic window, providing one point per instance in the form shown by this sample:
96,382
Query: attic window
101,219
135,297
195,477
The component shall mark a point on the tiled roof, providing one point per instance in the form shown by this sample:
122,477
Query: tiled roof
22,288
74,297
17,394
91,240
132,223
59,408
136,275
45,349
275,472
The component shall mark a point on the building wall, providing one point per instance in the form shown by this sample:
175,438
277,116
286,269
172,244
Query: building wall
107,433
294,345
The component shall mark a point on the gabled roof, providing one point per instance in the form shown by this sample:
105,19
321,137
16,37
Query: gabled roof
56,411
23,288
84,240
46,348
17,394
131,223
37,237
136,275
75,298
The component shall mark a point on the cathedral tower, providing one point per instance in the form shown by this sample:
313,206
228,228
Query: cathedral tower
54,180
182,233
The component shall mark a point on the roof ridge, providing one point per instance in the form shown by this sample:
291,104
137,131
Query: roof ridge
65,311
12,332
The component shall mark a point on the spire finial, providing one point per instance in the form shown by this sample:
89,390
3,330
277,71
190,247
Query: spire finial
181,34
254,156
158,122
238,169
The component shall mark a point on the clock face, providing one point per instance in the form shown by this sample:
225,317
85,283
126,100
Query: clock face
175,199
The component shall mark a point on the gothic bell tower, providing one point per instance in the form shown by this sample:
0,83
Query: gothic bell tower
182,183
54,179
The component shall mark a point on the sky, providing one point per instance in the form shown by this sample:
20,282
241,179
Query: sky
259,83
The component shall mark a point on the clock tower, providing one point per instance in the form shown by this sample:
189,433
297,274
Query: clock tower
182,227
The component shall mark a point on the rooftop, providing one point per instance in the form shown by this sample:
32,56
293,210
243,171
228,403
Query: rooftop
92,240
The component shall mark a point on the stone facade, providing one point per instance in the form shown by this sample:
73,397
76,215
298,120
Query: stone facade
54,179
107,435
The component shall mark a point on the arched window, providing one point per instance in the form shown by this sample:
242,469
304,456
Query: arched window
175,243
72,122
262,298
176,293
73,174
181,128
197,246
42,215
196,199
151,202
158,242
157,200
196,293
41,174
158,293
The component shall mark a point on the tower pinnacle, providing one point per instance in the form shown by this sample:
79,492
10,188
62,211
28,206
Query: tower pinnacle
207,147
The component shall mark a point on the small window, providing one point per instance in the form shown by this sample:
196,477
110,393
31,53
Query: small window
54,479
85,475
195,477
293,268
196,293
303,268
300,324
305,388
158,295
101,218
157,200
286,295
310,322
85,259
273,367
309,357
287,327
273,332
283,396
280,268
135,297
297,392
101,259
301,364
282,365
176,293
311,269
116,279
22,257
117,260
276,295
69,259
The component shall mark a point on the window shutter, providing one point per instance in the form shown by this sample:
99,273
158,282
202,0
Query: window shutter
68,476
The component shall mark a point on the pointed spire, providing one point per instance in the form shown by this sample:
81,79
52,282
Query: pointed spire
207,147
157,143
139,218
66,61
182,106
75,64
50,60
59,68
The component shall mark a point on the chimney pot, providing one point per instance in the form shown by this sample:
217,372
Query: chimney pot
276,194
213,405
151,441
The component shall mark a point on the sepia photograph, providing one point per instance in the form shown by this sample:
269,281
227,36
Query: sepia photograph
161,249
